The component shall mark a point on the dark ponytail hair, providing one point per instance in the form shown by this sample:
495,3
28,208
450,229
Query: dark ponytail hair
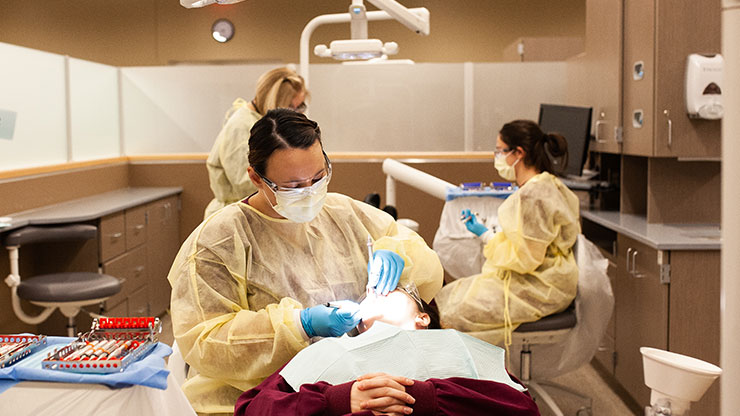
547,152
280,128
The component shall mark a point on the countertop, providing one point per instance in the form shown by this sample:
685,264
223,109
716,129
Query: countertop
659,236
86,209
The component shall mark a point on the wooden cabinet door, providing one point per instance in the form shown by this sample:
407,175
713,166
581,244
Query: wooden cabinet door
639,49
603,64
641,313
695,315
683,137
163,242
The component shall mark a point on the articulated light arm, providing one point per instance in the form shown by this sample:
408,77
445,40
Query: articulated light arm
324,19
415,22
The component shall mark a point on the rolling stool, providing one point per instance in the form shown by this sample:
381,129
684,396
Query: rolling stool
68,291
550,329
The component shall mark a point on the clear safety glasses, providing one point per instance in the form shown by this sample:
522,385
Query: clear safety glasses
501,152
304,186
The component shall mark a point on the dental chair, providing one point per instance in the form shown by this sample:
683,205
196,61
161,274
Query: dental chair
551,329
68,291
562,342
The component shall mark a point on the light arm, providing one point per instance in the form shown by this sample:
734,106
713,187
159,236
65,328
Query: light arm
417,22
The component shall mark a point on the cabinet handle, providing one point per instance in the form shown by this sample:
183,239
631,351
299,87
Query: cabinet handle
138,270
670,127
597,129
629,252
634,272
116,236
139,227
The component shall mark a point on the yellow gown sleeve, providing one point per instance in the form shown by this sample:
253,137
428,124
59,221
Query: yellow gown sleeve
421,264
528,230
215,329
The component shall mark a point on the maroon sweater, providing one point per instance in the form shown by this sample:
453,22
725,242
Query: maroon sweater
450,396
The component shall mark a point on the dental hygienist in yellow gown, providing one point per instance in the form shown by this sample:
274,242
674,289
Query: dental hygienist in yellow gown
250,283
530,269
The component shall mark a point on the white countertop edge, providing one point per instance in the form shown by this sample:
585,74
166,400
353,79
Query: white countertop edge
90,207
658,236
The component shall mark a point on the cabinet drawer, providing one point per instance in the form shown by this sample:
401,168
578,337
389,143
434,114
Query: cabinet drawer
135,227
138,302
131,267
112,236
118,310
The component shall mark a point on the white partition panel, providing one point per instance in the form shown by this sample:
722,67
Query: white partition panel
32,84
508,91
389,107
180,109
94,119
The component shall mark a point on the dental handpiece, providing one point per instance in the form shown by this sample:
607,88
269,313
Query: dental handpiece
369,258
465,217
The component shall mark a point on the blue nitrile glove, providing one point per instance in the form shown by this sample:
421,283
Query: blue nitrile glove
330,321
472,224
384,270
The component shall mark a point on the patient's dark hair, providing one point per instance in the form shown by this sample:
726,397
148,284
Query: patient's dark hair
431,310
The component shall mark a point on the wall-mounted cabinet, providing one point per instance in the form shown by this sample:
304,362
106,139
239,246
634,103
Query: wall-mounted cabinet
602,80
658,37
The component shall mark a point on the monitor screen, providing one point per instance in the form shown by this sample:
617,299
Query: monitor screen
573,123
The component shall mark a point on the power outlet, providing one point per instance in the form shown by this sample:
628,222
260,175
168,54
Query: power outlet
7,124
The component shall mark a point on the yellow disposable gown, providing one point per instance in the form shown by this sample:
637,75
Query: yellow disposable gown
228,161
241,276
530,269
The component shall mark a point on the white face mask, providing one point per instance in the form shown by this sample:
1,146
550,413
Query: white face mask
504,169
302,204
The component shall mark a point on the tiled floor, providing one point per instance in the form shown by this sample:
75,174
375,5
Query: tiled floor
585,380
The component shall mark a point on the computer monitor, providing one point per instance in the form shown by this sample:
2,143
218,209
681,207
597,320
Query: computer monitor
573,123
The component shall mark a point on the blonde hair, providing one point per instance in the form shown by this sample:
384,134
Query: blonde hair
277,88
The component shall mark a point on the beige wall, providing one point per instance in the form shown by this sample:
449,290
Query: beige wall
158,32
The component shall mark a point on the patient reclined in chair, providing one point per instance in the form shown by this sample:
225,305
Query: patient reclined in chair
452,374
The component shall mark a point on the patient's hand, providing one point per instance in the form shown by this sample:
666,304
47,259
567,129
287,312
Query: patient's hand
382,394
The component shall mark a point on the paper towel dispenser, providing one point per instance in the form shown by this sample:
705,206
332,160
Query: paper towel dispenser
704,86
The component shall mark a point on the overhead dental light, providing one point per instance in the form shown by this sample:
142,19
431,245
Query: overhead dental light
356,49
362,48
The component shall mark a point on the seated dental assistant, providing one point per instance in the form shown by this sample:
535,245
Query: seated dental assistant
313,385
249,285
227,161
530,269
